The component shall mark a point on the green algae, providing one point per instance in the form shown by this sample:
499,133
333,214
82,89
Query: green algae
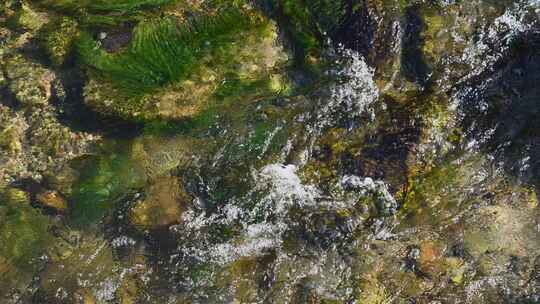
103,181
162,51
436,189
102,12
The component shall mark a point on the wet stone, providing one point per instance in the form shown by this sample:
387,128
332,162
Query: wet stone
29,82
162,206
52,199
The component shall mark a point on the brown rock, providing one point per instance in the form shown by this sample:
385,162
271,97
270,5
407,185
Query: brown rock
162,206
52,199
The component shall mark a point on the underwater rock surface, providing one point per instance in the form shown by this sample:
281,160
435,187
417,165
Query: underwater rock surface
269,151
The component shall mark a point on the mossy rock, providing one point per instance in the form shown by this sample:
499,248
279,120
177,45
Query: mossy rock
29,82
174,70
436,195
29,18
23,228
59,39
10,137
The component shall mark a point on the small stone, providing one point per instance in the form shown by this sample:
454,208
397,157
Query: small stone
52,199
3,81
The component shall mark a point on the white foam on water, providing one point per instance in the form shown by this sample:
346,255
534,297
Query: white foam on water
107,290
493,43
359,91
367,186
352,96
122,241
283,189
286,188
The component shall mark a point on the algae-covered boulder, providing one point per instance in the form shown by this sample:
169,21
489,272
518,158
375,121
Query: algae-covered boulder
173,69
35,142
157,155
101,182
33,138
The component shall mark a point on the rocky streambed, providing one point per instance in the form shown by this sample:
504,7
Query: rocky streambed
273,151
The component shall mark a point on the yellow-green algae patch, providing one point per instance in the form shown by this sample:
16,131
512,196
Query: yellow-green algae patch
23,238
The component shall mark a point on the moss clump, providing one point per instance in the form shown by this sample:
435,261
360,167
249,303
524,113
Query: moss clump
10,139
172,70
161,51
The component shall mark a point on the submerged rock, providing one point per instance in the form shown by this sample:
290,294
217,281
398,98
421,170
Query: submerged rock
500,108
162,205
30,18
81,270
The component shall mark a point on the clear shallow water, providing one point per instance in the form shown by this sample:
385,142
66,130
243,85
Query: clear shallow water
359,185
